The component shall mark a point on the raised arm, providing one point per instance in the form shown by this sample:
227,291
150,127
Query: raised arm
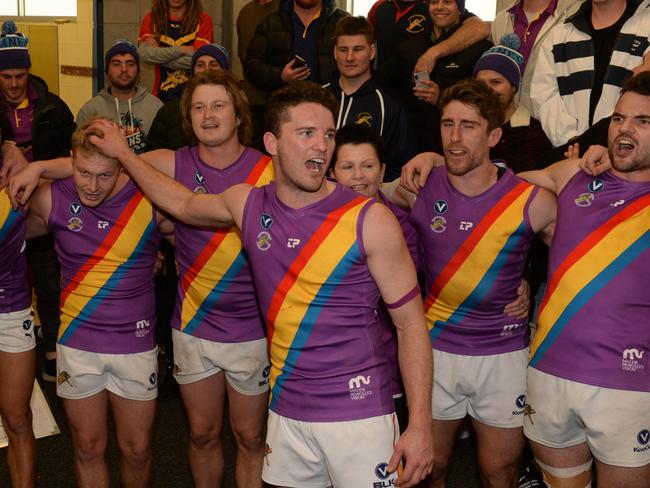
392,268
195,209
472,31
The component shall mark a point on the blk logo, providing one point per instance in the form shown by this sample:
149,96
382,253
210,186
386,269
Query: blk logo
521,401
381,471
75,208
440,206
152,378
643,437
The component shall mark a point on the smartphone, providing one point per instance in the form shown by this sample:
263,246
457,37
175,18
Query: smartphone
298,62
419,78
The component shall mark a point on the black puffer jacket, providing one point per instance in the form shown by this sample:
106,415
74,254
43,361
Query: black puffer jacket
272,46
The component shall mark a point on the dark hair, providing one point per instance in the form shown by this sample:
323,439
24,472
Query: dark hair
478,95
639,84
229,82
81,139
291,95
354,26
356,135
160,14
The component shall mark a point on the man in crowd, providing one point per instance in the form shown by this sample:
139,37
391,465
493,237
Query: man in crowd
583,63
362,97
123,101
294,43
41,127
321,255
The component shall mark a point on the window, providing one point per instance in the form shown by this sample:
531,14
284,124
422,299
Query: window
38,8
485,9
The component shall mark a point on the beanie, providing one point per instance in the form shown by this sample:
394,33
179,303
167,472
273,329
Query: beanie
461,5
121,46
504,59
13,48
216,51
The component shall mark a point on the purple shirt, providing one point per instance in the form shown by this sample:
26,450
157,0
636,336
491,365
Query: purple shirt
216,297
15,294
594,321
107,257
528,32
320,304
474,252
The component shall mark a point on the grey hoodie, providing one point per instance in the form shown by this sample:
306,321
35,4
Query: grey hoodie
135,114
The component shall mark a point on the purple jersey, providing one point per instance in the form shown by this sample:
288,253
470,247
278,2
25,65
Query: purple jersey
320,304
594,321
15,294
474,252
107,256
216,296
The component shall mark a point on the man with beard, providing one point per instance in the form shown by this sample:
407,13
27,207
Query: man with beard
589,376
123,101
294,43
475,222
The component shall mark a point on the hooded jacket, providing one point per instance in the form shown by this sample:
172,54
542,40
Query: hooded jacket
272,46
135,114
374,106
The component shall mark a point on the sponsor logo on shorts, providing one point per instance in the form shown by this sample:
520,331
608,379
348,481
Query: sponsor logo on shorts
643,438
64,377
438,224
266,221
633,360
265,376
264,241
75,208
142,328
358,387
27,327
584,200
520,404
75,224
153,378
381,472
509,329
596,185
440,206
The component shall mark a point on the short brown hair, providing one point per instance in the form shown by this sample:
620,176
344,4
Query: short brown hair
291,95
639,84
354,26
81,139
229,82
475,94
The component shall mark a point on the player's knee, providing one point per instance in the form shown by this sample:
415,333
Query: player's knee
136,454
574,477
440,467
18,424
205,438
89,448
249,439
499,474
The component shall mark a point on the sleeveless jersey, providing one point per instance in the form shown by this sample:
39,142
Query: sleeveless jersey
594,321
15,294
216,295
320,305
107,256
474,252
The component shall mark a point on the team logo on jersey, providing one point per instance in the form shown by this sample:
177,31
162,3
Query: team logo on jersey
596,185
27,327
266,221
75,224
75,208
464,225
142,328
633,360
264,241
438,224
199,178
415,23
359,387
509,329
584,200
364,118
102,224
440,206
200,190
293,242
381,471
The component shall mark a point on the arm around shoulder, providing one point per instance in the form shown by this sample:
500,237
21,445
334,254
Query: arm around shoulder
38,215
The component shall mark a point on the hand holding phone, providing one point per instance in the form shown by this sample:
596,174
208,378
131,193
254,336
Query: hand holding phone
421,79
